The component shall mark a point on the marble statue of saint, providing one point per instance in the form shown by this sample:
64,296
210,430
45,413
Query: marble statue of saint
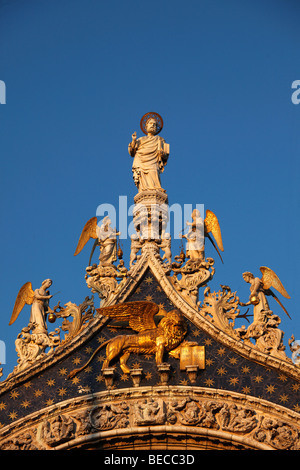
150,154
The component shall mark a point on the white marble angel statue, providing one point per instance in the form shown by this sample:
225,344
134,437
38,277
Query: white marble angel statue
260,288
105,236
39,301
200,228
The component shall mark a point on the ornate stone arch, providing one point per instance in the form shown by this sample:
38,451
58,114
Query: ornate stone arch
157,418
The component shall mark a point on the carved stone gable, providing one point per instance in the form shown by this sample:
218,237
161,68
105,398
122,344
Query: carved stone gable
154,358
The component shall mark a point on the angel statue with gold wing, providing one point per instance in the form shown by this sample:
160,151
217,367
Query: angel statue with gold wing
199,229
151,338
104,236
260,288
39,301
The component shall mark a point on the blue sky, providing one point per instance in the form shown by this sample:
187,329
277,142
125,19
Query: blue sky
80,74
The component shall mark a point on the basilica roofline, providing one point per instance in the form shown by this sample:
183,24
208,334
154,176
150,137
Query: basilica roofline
150,259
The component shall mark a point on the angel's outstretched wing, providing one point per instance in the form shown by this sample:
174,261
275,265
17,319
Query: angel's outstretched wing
25,296
211,224
89,231
270,279
139,314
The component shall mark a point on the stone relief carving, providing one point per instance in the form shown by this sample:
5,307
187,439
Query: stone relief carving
237,419
278,434
109,416
188,278
268,337
25,441
102,280
193,413
136,245
31,346
57,430
149,411
81,315
155,411
295,349
221,307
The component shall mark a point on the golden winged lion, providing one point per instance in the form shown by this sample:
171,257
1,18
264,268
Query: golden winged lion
150,338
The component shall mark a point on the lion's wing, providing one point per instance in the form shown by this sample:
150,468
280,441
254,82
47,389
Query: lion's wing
139,314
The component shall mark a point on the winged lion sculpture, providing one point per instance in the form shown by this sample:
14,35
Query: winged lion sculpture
154,339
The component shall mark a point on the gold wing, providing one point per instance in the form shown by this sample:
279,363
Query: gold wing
25,296
270,279
211,224
89,231
139,314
